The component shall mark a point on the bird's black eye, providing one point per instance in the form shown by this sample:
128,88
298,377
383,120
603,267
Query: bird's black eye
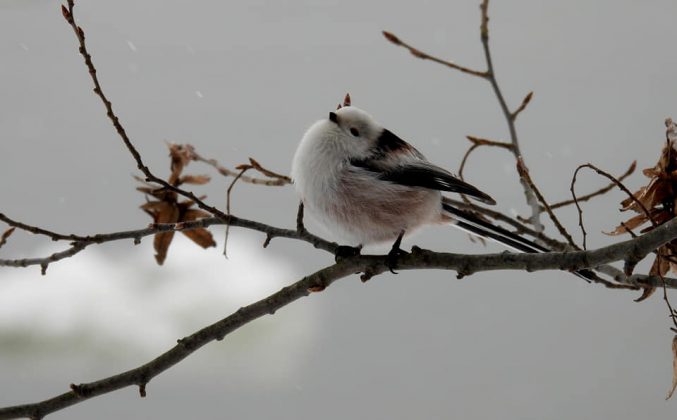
354,132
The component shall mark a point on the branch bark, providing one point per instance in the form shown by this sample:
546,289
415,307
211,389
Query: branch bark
370,265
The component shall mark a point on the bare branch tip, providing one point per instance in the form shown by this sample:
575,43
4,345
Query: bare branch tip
77,390
392,38
142,390
346,100
646,293
484,26
522,106
418,53
66,14
6,235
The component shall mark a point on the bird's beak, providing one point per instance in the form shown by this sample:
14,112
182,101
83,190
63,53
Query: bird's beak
333,117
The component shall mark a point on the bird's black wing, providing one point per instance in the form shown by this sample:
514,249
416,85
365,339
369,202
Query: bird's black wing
422,174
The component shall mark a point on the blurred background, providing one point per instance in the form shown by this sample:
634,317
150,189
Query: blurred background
241,79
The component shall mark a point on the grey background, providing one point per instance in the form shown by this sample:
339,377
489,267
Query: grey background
240,79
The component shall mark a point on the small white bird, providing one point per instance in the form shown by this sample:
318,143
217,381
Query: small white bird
366,185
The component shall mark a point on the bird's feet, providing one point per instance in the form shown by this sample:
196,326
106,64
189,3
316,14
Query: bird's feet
394,254
344,251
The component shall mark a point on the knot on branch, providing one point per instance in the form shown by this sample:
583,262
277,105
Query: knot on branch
79,390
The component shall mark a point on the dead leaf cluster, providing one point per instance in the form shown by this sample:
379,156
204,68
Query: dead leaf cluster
656,203
164,206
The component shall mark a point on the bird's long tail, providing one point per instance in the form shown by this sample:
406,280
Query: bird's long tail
472,224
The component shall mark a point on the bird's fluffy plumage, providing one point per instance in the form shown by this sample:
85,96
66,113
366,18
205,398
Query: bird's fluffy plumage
367,185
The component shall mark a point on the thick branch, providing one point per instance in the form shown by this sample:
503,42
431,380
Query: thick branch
369,264
186,346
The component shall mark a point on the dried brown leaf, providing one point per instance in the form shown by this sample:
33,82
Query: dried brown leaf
628,202
162,212
194,214
674,368
256,165
185,205
660,266
628,225
655,203
180,155
154,208
646,293
146,190
201,237
161,242
650,172
194,179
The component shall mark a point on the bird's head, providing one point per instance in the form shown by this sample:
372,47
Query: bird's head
354,130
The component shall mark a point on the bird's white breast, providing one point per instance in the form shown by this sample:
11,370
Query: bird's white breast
353,204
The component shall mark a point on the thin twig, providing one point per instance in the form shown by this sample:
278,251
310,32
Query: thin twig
578,208
300,227
490,75
524,174
510,117
243,169
136,235
40,231
617,183
465,159
522,106
276,179
68,14
425,56
486,142
5,235
599,192
476,143
268,172
673,314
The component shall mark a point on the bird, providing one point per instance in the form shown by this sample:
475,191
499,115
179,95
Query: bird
366,186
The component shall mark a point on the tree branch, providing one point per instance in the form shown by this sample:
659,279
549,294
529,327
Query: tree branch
274,178
510,116
370,265
81,242
601,191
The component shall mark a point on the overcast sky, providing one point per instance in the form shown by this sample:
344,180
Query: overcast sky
241,79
